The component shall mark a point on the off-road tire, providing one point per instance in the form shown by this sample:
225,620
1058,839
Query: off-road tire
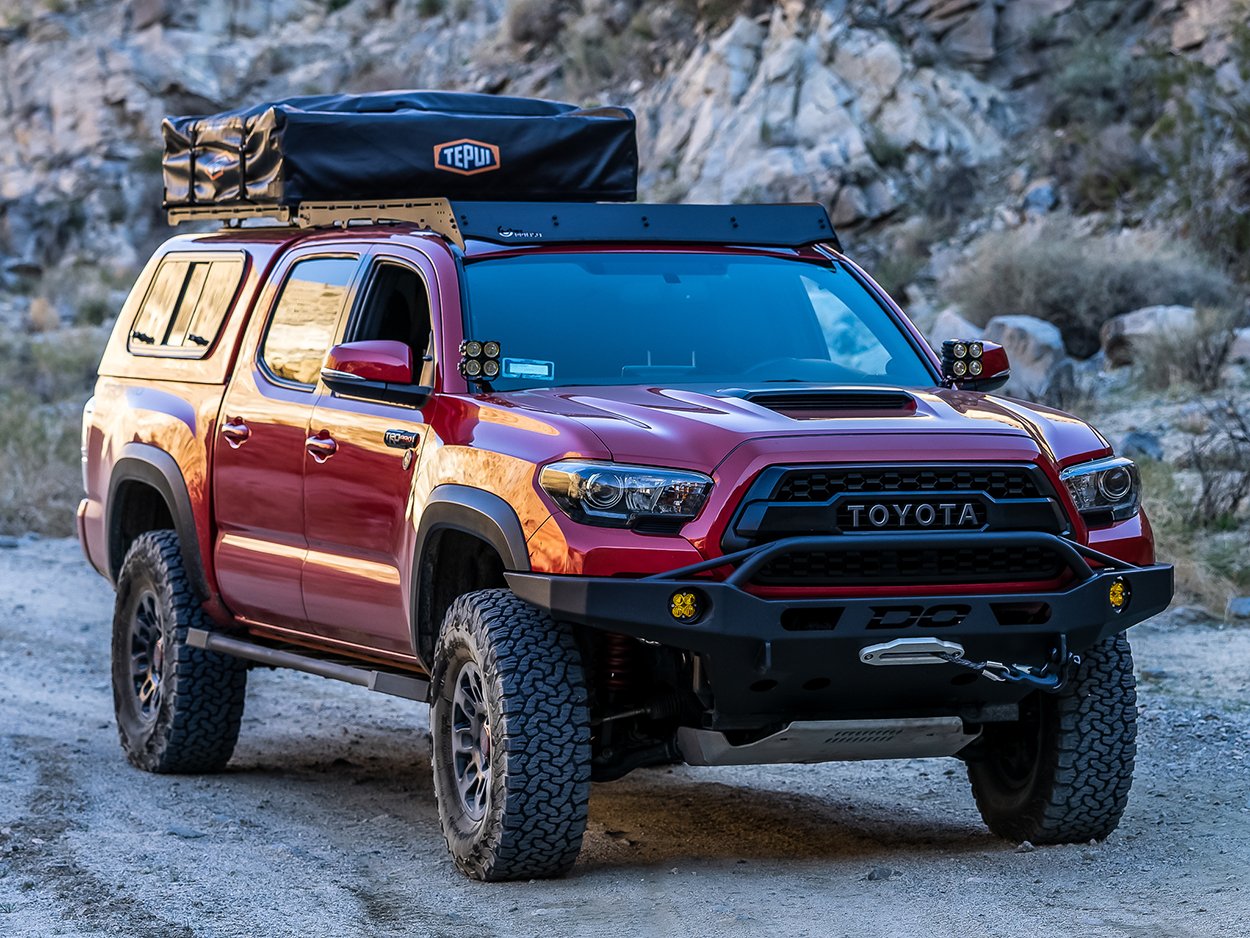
194,723
1062,774
534,691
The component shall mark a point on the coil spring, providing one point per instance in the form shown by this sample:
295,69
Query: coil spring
617,658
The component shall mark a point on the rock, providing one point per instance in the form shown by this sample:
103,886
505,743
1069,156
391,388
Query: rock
1240,349
149,13
185,833
1138,444
948,324
1025,847
1238,607
879,874
1021,19
972,41
1039,197
1035,350
1119,334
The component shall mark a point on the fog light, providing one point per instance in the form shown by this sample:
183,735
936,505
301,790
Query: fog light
1118,594
684,606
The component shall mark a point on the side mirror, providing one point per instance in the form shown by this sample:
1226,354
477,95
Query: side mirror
379,369
974,365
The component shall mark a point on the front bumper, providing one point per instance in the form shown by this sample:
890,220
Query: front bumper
781,658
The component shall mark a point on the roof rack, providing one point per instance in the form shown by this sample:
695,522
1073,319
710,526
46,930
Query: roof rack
788,225
436,215
793,225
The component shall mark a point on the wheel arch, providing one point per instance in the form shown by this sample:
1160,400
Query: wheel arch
466,539
148,492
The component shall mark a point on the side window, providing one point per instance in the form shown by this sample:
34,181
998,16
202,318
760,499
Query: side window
302,328
185,306
396,307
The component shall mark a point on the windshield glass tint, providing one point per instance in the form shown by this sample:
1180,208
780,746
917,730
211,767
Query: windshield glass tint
683,318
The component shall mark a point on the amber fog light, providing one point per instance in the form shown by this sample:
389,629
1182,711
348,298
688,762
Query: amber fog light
686,605
1118,594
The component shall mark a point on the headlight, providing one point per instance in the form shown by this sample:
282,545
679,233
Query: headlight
1104,490
625,496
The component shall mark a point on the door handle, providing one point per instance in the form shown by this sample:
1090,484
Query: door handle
236,432
321,447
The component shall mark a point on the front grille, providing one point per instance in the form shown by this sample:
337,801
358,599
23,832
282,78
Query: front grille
822,484
907,566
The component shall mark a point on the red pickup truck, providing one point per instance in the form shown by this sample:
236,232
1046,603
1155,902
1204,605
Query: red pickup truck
609,486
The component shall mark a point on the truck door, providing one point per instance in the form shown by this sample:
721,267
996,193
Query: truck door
262,440
357,496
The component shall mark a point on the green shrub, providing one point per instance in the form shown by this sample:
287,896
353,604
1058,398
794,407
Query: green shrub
1078,281
1203,142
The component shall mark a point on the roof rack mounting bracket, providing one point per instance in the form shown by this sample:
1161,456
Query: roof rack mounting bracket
435,215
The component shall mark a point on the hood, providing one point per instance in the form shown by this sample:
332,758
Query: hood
698,429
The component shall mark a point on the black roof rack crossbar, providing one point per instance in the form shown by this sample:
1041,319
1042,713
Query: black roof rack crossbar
794,225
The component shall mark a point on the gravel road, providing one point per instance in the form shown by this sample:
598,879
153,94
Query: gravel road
325,824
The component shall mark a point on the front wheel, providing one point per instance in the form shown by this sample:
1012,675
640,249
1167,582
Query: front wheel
1062,773
510,733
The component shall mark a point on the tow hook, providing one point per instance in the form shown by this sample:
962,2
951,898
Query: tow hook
1049,677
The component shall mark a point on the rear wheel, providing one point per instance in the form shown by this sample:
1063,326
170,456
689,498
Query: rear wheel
1062,773
178,708
510,735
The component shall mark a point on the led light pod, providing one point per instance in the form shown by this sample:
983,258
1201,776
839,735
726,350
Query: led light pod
479,361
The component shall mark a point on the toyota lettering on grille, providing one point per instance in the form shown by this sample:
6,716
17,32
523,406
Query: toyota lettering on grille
913,514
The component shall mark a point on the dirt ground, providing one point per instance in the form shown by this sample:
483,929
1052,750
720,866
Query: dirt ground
325,824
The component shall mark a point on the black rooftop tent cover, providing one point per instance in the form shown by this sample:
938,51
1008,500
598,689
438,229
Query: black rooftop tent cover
400,145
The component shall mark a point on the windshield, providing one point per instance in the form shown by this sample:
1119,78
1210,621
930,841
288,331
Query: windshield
683,318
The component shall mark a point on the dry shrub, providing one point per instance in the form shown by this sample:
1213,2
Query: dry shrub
47,379
1194,356
42,315
1221,461
1198,512
1079,281
1199,577
40,481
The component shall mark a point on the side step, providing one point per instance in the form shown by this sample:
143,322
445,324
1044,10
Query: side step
830,741
384,682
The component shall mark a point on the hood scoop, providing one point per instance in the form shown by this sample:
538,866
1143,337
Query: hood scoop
821,403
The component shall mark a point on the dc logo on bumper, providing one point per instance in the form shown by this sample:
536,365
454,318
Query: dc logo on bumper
466,157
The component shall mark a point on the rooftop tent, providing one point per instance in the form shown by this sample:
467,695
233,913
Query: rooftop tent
400,145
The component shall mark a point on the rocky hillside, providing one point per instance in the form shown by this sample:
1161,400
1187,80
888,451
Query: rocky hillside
888,111
1031,168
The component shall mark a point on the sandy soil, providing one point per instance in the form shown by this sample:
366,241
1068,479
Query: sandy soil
325,823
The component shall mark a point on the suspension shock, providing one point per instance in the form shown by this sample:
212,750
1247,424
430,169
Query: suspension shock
618,658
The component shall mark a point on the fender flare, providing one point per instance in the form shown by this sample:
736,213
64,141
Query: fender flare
155,468
473,511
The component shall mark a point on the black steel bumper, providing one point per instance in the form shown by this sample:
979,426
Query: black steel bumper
795,655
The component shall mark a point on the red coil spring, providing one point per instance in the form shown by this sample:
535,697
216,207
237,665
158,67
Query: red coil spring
616,661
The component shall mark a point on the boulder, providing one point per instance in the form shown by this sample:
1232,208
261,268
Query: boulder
1238,607
1119,334
1039,197
972,41
1240,350
948,324
1035,349
1138,444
